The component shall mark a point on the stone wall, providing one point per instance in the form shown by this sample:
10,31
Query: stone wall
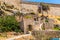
44,35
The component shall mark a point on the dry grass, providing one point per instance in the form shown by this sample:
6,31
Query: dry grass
26,38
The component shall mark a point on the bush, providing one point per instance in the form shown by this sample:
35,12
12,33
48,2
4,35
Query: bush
9,23
58,19
56,27
43,28
32,13
46,20
28,16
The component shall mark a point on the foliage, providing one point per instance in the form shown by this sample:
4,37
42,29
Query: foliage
9,23
43,27
28,16
58,19
46,20
42,17
45,7
32,13
56,27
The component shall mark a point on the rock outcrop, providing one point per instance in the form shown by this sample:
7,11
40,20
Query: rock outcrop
16,3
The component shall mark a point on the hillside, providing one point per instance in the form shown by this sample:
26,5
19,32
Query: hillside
16,3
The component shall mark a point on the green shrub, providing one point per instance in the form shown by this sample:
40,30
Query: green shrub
58,19
43,28
32,13
9,23
28,16
56,27
46,20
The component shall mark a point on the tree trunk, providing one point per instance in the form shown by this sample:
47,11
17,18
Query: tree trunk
41,10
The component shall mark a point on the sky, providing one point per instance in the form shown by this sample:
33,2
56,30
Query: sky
46,1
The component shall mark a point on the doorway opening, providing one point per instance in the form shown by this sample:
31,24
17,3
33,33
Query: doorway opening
29,27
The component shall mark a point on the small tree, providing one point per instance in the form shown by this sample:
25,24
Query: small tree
43,7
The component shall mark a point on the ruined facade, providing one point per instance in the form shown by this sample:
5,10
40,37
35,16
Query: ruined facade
33,7
35,21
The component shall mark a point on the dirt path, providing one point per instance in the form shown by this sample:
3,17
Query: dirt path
16,37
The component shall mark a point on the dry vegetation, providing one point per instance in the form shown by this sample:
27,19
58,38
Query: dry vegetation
46,35
26,38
